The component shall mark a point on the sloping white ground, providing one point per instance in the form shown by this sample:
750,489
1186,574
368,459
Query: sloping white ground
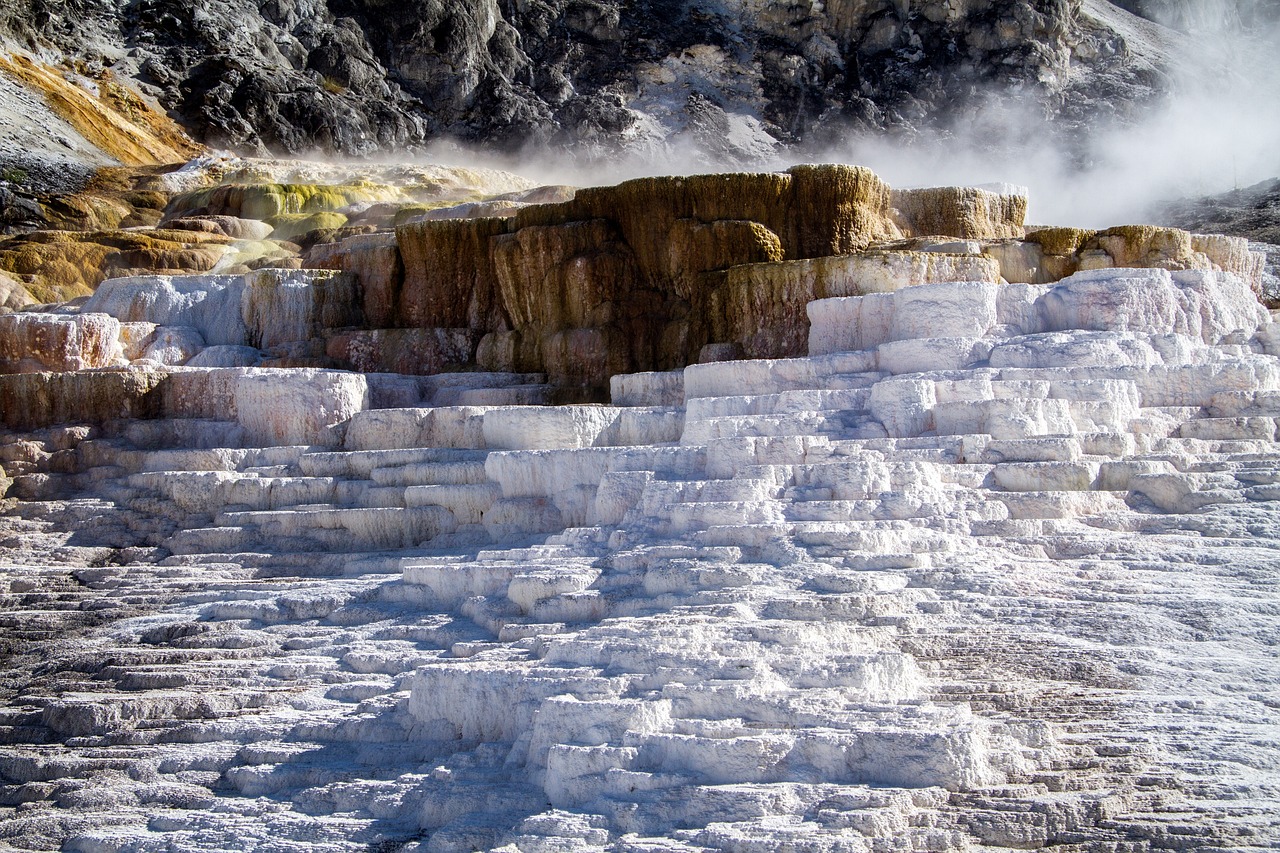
994,569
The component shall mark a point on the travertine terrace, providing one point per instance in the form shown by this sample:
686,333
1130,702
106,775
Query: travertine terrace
903,527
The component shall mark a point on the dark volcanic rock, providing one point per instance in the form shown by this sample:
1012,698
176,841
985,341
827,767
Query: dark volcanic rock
733,79
19,212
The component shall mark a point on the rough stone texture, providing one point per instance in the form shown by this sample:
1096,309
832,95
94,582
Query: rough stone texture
36,400
375,261
210,304
449,276
625,278
407,351
40,342
281,307
733,79
13,294
62,265
997,572
298,406
969,213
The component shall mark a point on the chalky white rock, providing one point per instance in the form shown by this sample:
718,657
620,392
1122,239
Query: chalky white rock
993,568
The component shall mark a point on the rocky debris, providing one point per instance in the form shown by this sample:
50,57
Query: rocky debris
734,81
911,589
111,117
19,212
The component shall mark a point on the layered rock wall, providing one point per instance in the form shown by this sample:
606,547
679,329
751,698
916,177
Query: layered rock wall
616,279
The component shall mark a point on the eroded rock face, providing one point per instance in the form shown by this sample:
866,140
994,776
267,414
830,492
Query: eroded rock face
298,406
35,342
852,600
351,78
36,400
969,213
618,279
1050,254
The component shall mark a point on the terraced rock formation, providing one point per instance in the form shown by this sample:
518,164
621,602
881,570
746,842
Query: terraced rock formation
988,565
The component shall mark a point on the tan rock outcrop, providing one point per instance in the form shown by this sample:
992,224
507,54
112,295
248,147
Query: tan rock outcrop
1138,246
617,278
34,400
13,294
1232,254
969,213
63,265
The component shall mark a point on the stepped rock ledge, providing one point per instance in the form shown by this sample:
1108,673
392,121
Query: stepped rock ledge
439,511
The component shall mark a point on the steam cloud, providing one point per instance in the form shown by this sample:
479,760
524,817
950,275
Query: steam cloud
1216,130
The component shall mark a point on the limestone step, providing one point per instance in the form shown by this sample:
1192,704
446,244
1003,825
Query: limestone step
1219,429
772,376
786,402
1058,504
663,495
790,424
360,464
431,474
518,395
1045,476
693,517
467,501
417,427
357,529
207,540
370,496
439,388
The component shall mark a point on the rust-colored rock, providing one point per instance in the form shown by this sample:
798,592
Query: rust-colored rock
62,265
449,275
374,261
410,351
617,278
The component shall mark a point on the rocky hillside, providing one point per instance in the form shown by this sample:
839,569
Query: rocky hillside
733,79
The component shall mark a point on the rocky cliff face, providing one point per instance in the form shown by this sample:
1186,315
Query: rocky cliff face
734,79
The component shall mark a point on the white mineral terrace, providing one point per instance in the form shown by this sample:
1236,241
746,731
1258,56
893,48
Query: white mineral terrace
995,567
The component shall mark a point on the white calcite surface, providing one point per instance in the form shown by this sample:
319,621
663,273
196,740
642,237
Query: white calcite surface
992,569
298,406
265,309
208,303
